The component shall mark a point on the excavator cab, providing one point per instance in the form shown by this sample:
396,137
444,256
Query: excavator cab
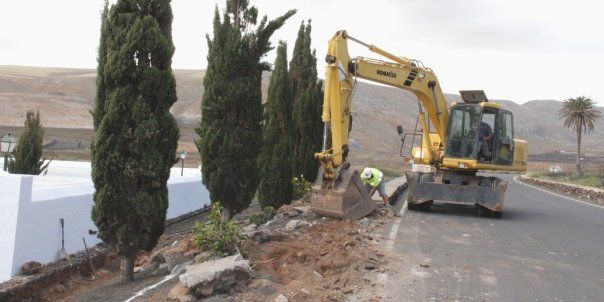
481,131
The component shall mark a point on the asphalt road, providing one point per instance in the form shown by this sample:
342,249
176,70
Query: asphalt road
544,248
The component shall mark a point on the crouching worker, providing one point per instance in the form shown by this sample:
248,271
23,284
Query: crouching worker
372,178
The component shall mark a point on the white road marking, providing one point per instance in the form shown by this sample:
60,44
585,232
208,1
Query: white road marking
395,227
146,289
559,195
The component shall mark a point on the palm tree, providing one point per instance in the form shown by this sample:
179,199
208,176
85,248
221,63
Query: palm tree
580,114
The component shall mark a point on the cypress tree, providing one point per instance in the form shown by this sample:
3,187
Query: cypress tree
308,99
275,187
134,144
230,131
97,112
28,152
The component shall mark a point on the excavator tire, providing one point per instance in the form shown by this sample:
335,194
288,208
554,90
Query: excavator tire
348,199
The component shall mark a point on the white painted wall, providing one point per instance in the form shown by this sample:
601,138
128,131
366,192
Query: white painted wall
31,206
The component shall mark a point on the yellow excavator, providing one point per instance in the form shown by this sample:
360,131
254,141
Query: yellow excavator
454,143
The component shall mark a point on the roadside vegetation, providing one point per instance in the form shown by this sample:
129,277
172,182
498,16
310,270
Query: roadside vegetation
580,114
27,156
217,236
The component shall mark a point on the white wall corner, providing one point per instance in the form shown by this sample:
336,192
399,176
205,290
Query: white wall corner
16,190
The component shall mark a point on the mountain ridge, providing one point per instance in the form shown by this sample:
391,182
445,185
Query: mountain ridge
64,97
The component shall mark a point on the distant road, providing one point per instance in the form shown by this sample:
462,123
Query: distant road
545,248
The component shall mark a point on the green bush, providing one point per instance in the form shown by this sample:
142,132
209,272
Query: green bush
301,188
216,236
261,218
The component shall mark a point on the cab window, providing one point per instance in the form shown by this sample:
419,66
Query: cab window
506,139
463,125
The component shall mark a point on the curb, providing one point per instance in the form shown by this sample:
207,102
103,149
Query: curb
587,193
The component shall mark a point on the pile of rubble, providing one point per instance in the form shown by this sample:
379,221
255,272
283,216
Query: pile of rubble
295,256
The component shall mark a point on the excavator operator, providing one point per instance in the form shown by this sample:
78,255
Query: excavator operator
485,133
372,178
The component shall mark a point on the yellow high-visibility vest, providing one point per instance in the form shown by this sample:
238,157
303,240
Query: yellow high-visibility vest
375,180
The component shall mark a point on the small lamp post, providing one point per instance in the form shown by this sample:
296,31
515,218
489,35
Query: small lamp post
7,145
183,155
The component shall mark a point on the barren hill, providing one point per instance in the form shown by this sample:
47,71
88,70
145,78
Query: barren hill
65,96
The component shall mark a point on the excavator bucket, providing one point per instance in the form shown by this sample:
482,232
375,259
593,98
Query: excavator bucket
348,199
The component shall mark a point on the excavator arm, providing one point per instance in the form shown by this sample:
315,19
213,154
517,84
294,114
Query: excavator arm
403,73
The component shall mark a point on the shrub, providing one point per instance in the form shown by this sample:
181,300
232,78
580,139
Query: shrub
216,236
261,218
27,156
301,188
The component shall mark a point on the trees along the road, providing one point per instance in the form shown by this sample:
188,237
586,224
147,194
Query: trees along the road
307,95
135,139
27,156
230,130
580,114
275,188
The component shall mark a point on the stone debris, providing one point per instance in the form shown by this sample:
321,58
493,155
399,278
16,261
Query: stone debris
249,230
161,270
261,236
179,269
292,225
31,268
216,276
289,211
281,298
175,259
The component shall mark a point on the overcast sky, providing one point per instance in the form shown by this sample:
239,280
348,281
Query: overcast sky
519,50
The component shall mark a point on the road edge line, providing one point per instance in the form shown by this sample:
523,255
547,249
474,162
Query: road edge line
143,291
395,226
559,195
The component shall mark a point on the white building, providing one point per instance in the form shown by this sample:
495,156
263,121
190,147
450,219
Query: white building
31,208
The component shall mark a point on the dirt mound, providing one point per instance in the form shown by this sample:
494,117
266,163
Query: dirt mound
318,263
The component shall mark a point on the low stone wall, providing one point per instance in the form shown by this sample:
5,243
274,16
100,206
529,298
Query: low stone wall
33,288
582,192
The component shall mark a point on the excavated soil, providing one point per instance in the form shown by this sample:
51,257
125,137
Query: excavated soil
317,263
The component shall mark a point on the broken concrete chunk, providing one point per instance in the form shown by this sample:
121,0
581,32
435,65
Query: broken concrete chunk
249,230
304,223
281,298
292,225
216,276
